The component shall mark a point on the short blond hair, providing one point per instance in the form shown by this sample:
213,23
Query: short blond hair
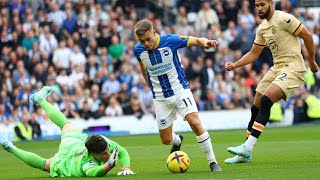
142,27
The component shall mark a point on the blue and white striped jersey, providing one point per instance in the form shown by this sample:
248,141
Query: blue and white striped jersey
164,69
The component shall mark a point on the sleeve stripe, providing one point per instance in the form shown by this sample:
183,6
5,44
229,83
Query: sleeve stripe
259,45
298,29
188,41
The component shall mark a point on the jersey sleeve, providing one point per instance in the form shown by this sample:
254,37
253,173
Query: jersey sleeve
123,154
259,40
136,53
92,169
179,41
290,24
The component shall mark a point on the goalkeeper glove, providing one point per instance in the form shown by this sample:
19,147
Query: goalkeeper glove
112,160
125,171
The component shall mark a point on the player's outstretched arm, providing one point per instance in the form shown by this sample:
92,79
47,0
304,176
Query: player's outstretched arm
308,41
248,58
206,43
124,160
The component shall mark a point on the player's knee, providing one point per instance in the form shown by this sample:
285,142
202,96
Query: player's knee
266,104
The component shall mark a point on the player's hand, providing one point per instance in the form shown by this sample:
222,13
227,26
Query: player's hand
125,172
113,159
229,66
211,43
314,67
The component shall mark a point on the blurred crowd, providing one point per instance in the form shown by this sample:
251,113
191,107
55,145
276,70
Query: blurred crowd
84,49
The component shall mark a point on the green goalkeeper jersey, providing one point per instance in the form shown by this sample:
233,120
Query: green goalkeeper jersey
73,159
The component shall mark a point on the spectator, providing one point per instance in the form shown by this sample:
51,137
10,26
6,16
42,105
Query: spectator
48,41
206,18
23,131
85,111
116,49
29,40
56,14
114,108
61,56
70,23
68,108
36,129
100,112
77,57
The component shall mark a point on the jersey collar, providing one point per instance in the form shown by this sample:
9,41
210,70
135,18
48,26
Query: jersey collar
158,41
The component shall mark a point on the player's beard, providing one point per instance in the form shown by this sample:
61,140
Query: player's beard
266,14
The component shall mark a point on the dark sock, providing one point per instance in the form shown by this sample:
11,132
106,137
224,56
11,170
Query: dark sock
263,116
254,114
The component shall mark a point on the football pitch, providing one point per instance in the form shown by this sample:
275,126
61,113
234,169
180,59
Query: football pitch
281,153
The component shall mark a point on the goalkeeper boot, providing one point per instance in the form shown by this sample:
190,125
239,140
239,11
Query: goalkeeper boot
7,145
215,167
43,93
241,151
238,159
177,147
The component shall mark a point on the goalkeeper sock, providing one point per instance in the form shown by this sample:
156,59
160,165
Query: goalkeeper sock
204,141
55,115
175,139
29,158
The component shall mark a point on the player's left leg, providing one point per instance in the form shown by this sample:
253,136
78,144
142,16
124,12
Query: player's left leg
203,139
254,113
55,115
169,137
271,95
29,158
165,115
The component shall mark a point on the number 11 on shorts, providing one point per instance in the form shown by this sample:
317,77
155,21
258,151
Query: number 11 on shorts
187,102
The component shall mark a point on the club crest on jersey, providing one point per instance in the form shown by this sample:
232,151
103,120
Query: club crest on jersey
166,53
163,122
183,37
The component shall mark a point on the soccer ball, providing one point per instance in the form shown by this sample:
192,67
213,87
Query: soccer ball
178,162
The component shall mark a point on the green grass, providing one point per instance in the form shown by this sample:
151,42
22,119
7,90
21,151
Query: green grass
281,153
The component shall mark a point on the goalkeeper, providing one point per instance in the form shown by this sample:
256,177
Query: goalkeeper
78,154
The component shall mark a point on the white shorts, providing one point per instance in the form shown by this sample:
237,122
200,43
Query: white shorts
166,109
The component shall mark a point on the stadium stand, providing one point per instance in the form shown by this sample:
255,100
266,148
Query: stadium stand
84,48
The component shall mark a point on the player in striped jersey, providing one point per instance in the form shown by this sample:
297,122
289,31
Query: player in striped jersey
280,32
162,70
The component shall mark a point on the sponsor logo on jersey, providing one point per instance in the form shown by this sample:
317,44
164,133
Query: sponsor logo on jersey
161,69
91,164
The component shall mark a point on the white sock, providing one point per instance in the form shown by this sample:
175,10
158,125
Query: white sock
175,139
251,141
205,144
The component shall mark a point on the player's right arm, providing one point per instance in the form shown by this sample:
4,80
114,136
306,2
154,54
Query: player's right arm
248,58
98,171
144,72
252,55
